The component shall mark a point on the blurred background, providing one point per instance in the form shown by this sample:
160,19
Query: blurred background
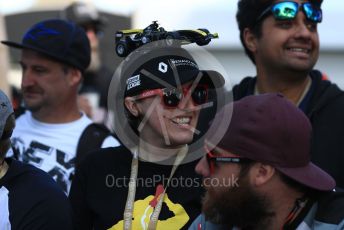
16,16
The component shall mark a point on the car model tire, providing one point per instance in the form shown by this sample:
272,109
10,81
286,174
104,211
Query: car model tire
170,37
145,40
122,49
203,42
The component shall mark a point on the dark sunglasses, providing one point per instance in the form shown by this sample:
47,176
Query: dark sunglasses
212,160
288,10
172,97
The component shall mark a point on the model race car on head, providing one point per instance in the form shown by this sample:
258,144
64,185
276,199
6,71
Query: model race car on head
129,40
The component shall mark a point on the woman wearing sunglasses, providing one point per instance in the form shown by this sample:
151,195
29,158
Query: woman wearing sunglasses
143,184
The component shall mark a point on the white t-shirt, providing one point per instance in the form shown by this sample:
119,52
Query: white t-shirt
51,147
5,213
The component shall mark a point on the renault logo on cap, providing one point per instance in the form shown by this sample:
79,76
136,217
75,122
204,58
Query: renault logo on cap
162,67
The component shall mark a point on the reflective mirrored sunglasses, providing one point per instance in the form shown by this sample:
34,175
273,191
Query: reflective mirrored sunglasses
288,11
213,159
172,97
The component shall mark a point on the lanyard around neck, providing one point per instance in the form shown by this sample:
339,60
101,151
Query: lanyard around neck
129,206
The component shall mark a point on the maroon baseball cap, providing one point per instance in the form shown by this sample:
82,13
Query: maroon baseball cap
268,128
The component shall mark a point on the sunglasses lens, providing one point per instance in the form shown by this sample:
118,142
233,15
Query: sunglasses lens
200,95
312,14
285,10
172,98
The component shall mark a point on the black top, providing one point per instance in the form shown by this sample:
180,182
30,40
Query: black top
100,188
97,82
325,109
34,200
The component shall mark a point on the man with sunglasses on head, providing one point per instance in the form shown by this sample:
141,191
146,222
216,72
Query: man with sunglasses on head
129,187
281,39
259,175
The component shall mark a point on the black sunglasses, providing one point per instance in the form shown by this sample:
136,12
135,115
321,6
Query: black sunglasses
288,10
212,160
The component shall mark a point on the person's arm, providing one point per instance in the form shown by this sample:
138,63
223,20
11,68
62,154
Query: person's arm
35,201
82,215
53,212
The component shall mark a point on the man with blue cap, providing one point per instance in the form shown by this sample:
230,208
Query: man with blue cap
54,55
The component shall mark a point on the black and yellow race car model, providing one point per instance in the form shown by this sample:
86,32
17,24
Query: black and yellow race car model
129,40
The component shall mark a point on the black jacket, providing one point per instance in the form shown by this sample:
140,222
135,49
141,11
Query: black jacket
97,82
325,109
31,200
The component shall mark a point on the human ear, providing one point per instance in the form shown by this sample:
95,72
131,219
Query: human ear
250,40
262,174
75,76
132,106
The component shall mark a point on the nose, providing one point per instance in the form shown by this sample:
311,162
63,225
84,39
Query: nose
303,27
202,167
27,78
187,101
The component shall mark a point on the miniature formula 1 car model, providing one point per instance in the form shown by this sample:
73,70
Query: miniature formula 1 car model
129,40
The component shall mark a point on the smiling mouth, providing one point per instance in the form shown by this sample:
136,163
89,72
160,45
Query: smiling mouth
181,121
299,50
